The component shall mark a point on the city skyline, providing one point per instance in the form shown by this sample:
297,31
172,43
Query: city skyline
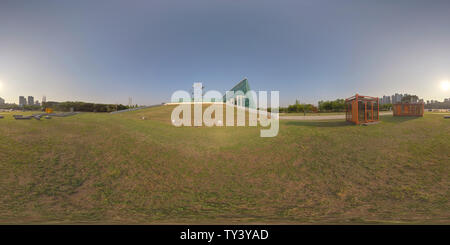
385,99
109,51
129,98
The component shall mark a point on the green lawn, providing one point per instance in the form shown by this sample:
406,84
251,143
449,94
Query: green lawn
103,168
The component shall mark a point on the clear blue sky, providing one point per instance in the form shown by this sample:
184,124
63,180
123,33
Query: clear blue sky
107,51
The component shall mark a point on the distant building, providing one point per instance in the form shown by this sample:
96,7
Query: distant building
37,103
396,98
44,99
437,105
240,99
22,101
30,100
2,101
385,100
239,95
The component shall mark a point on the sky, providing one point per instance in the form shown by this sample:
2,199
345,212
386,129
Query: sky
108,51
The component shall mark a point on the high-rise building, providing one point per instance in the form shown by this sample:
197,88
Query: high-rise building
22,101
44,99
385,100
396,98
37,103
2,101
30,100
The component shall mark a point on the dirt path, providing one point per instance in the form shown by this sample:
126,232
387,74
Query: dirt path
308,118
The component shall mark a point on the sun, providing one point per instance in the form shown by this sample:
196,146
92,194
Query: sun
445,85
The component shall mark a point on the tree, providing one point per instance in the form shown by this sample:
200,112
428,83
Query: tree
297,107
386,107
335,105
84,107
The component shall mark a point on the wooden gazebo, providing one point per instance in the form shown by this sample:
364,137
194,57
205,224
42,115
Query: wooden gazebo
362,109
408,109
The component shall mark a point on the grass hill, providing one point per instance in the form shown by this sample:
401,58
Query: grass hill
103,168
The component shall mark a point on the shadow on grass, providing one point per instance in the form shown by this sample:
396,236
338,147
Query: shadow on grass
392,119
320,123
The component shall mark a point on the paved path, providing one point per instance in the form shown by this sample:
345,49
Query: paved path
331,117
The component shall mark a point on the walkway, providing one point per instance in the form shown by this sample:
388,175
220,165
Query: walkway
331,117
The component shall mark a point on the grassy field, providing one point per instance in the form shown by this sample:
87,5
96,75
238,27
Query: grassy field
103,168
312,114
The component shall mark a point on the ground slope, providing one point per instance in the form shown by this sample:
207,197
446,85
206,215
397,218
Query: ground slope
103,168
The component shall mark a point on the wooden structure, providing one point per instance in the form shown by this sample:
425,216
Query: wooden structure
362,109
406,109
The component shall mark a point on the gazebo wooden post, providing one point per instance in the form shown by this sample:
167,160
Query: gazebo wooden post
365,111
378,108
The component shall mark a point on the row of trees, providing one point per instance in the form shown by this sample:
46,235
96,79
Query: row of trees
332,105
83,106
17,107
323,106
385,107
67,106
339,106
297,107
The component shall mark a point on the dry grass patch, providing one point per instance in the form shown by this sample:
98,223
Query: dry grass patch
119,168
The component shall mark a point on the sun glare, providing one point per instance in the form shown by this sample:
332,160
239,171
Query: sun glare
445,85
